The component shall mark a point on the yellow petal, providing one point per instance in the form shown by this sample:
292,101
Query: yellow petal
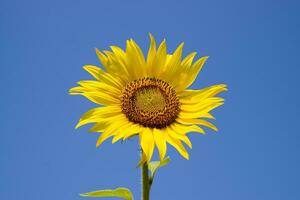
97,95
151,55
109,61
152,50
178,79
103,137
203,113
139,54
95,86
119,62
121,133
100,114
198,103
103,59
101,120
202,105
111,130
195,96
118,65
188,60
183,129
147,142
173,65
160,59
132,133
198,122
176,144
160,141
99,127
128,130
100,98
93,70
101,75
178,134
189,77
195,69
135,60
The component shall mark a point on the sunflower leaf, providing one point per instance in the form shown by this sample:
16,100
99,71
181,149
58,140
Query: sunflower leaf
155,165
118,192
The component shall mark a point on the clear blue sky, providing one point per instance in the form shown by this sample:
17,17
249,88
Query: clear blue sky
253,47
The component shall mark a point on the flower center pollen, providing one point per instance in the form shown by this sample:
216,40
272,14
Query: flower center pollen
150,99
150,102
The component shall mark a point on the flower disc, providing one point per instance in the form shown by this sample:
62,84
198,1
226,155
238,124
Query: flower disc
150,102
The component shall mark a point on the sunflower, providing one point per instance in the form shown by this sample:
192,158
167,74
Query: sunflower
148,97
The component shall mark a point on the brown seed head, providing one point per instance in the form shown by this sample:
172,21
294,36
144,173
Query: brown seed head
150,102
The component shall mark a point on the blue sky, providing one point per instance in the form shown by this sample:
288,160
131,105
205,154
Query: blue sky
253,47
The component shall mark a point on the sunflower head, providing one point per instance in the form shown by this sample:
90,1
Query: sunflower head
148,97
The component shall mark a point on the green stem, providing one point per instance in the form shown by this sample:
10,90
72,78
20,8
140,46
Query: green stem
145,182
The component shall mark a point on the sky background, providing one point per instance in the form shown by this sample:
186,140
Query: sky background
253,47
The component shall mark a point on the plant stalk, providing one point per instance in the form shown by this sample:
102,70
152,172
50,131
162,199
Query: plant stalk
145,182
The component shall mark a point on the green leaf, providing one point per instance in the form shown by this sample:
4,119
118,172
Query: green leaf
118,192
155,165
